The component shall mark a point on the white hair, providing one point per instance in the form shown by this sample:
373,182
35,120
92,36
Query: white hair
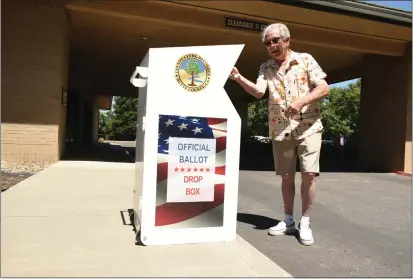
284,32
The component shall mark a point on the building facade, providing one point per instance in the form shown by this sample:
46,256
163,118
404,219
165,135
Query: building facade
63,60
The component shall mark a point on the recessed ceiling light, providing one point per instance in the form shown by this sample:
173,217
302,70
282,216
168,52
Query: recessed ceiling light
144,38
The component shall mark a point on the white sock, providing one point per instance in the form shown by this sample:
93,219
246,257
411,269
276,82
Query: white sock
288,219
305,220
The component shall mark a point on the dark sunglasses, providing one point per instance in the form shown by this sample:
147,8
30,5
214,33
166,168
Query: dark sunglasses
273,40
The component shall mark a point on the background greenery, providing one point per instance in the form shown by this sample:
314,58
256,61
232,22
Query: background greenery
340,113
119,123
340,116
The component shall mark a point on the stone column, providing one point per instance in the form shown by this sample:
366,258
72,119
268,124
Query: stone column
385,132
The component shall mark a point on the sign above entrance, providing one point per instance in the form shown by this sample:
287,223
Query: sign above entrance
244,24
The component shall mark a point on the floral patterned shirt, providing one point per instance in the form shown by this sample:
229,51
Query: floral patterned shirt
301,76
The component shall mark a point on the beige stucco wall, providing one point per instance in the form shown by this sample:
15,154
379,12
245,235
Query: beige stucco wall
408,144
34,70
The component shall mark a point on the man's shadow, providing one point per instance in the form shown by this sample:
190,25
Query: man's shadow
260,222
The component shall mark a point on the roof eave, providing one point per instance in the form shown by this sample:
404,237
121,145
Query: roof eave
356,9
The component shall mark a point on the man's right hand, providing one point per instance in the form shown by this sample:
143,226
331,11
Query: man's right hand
235,75
250,87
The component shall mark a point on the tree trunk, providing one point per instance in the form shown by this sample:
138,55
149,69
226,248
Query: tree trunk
193,79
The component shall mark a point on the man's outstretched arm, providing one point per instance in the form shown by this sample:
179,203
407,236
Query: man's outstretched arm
257,90
320,91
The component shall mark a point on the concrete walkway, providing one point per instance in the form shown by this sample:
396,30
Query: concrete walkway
66,221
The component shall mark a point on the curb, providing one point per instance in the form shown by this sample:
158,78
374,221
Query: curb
403,173
93,165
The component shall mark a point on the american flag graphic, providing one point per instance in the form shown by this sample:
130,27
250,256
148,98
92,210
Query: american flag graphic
190,214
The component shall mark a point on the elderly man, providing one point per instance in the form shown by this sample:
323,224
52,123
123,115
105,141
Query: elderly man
296,84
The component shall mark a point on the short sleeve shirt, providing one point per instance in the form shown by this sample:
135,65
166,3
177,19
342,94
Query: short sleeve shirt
301,76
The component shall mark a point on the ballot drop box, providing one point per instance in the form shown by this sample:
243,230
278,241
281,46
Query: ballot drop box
187,146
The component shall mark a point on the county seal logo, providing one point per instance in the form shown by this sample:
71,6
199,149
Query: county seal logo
192,72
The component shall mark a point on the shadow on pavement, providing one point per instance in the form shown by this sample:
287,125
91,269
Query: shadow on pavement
103,152
260,222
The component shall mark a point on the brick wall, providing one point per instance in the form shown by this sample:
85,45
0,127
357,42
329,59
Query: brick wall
34,71
28,142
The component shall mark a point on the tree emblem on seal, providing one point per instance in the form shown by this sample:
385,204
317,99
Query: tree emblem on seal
192,72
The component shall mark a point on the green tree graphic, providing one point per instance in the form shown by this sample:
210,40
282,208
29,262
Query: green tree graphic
193,69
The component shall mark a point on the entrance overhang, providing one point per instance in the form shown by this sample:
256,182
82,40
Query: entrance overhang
120,33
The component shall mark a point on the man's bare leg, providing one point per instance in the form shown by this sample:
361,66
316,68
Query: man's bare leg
308,186
288,192
286,226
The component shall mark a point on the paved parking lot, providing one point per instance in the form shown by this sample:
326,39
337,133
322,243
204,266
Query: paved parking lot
361,223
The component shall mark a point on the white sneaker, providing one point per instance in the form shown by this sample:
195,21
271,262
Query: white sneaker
281,228
306,235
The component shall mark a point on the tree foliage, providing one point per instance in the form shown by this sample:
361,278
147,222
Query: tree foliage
192,68
125,110
106,123
341,112
258,117
121,122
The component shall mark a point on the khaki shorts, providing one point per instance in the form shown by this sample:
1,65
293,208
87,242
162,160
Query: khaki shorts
308,151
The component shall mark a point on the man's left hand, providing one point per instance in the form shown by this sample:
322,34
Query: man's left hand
293,109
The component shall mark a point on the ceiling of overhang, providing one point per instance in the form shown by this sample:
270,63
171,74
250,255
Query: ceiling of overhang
116,41
121,39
